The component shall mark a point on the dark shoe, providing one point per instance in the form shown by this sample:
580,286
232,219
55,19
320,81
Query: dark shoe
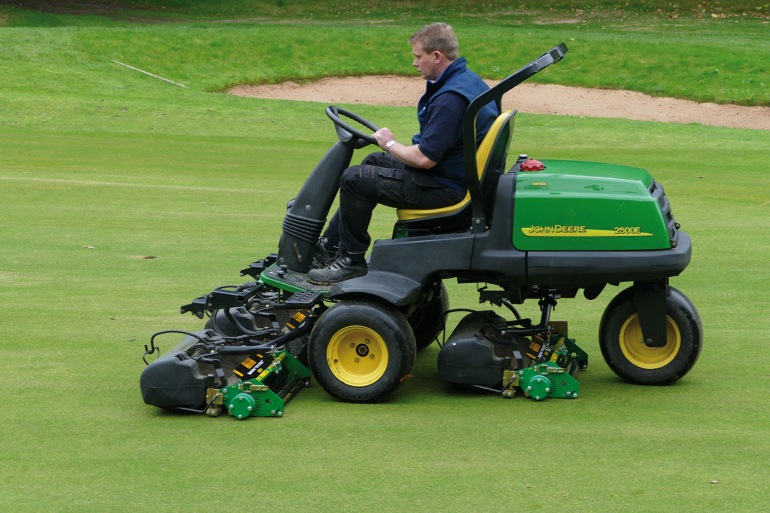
339,269
323,255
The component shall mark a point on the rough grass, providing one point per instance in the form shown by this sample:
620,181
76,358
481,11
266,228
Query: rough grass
168,10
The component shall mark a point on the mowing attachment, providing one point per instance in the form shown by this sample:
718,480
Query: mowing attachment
253,397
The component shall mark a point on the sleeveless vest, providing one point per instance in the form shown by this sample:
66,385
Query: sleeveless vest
457,78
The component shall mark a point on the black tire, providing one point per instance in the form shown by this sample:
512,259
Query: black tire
428,321
360,350
621,341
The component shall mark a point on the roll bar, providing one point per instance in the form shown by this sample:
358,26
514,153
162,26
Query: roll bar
495,94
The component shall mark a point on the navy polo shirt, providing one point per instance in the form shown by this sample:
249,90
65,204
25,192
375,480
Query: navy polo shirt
443,127
440,113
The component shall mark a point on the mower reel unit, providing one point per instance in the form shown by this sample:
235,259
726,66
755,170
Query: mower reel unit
530,229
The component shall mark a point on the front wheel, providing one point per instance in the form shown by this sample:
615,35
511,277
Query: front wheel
361,349
624,350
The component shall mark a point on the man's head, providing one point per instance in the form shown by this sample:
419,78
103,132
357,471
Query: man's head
434,48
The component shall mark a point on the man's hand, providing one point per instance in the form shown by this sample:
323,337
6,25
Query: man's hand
383,137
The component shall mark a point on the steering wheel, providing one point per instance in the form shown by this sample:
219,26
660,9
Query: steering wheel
347,133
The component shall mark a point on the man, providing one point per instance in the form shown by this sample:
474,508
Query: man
427,174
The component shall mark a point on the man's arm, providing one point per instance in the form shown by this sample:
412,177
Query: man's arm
442,130
409,155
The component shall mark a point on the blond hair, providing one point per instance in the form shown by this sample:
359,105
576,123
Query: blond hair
437,36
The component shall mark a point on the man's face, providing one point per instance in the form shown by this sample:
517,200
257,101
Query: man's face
426,63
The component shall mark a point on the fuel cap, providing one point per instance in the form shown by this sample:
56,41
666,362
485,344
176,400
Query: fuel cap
532,165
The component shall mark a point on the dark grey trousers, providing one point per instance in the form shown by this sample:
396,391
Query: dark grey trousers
380,179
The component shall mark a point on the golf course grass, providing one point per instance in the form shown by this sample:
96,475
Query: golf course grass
123,196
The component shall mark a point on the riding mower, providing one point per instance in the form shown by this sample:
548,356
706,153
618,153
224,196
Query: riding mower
539,230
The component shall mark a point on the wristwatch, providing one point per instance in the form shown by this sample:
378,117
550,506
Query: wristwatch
389,144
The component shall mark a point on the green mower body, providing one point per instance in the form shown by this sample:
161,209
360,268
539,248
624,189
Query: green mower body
588,206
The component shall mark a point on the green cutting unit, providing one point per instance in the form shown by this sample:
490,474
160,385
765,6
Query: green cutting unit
529,229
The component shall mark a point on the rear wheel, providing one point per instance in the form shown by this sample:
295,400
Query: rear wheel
624,350
361,349
428,320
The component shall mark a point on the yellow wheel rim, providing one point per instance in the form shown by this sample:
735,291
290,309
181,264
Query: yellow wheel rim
357,356
639,354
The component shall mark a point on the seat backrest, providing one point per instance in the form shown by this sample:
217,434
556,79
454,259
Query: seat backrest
495,163
490,163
